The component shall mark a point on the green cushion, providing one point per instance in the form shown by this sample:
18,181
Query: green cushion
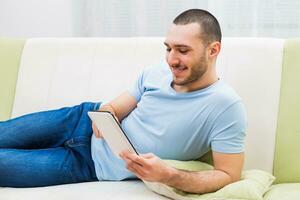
287,150
10,55
253,185
288,191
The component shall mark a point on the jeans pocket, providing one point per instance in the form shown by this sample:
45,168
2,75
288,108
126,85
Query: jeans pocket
78,141
83,168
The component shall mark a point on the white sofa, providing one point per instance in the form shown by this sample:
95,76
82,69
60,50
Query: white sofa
57,72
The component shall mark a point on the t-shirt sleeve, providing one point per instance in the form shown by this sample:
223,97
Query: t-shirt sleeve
138,88
229,131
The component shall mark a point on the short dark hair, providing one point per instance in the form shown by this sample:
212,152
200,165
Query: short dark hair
210,28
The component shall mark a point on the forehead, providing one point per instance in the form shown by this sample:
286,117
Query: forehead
188,34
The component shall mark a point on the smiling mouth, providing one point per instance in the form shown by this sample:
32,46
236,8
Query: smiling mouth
177,71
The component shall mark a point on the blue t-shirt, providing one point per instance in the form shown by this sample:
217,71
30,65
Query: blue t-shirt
172,125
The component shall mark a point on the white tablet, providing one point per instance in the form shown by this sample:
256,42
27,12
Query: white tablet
111,131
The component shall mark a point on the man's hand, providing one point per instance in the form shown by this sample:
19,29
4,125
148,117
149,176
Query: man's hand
227,169
147,166
96,131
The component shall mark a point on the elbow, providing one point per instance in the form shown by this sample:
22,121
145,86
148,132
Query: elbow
234,177
231,177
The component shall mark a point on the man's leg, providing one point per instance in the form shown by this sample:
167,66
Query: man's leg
32,168
47,148
47,129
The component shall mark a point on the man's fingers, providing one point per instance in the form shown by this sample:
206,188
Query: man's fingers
137,159
96,131
135,169
147,155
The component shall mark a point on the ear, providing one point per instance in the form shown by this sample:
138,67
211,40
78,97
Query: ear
214,49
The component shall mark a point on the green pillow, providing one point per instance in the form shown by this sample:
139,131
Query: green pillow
252,186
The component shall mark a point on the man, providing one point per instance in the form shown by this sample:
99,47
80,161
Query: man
175,111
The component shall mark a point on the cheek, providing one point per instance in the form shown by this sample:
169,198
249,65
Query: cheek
188,61
167,57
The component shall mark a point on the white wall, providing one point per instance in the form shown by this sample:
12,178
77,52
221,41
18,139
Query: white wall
36,18
114,18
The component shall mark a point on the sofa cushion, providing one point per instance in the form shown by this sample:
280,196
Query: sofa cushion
108,190
252,186
58,72
10,55
287,162
286,191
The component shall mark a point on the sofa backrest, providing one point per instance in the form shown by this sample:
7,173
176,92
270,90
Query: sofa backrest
252,66
10,55
287,153
56,72
61,72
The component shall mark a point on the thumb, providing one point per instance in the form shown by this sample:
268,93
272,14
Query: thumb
147,155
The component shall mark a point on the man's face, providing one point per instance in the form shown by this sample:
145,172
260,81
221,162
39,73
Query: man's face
186,54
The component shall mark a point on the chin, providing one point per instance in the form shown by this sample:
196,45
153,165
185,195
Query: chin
182,80
179,82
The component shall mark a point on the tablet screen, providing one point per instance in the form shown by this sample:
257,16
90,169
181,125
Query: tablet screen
111,131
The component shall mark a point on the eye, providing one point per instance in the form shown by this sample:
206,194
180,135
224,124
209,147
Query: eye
183,51
168,49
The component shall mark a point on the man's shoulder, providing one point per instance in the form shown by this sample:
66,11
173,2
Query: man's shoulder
158,68
225,94
156,72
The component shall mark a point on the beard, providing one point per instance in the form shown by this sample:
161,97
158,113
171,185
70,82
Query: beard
196,72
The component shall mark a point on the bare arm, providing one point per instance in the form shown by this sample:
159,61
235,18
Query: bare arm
121,106
227,169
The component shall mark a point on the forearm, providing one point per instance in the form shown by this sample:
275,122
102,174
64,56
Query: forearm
107,107
198,182
149,167
120,106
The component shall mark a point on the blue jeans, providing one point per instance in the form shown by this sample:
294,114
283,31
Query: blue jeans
47,148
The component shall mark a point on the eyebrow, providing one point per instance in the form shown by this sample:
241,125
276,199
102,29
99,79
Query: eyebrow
178,45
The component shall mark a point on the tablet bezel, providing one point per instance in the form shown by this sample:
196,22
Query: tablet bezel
118,124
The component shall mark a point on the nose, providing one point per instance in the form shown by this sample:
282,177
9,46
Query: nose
172,58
